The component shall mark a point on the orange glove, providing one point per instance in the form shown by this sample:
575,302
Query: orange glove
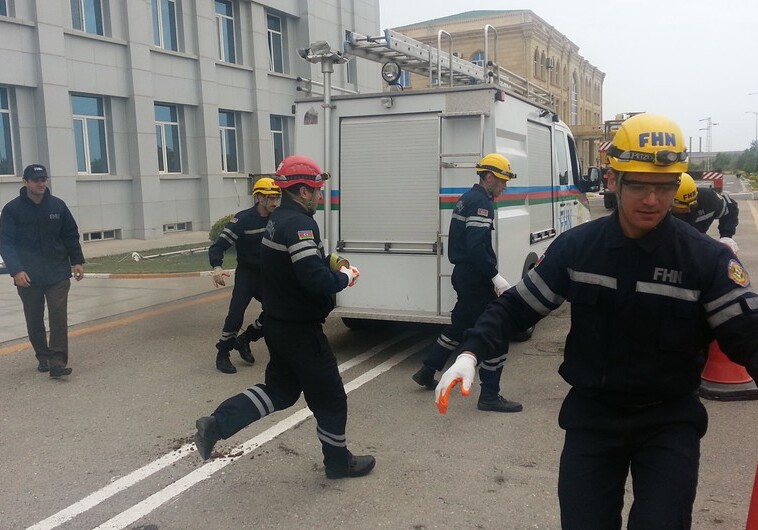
351,273
218,276
462,371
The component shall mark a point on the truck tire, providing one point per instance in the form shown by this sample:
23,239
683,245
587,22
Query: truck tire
523,336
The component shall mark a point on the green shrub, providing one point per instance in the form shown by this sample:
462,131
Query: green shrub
218,226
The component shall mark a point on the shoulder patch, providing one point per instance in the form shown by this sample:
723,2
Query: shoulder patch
305,234
482,211
233,220
737,274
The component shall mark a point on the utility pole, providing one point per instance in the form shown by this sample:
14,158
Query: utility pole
708,128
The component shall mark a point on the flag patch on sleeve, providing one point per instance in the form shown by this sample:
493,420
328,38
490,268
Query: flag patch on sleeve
305,234
483,211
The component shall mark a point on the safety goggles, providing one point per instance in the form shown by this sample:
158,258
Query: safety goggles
496,171
663,157
642,190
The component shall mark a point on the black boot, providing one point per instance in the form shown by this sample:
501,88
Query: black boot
57,366
43,365
498,404
242,345
224,364
358,466
206,436
425,377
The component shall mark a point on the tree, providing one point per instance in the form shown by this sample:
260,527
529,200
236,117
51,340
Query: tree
748,160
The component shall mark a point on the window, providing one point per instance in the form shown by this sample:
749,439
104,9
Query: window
574,101
351,69
227,123
167,137
543,65
3,8
6,142
279,132
275,43
535,63
164,24
87,15
101,235
177,227
225,30
478,59
90,134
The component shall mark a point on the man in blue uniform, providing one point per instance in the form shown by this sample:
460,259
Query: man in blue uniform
245,232
701,207
298,290
648,293
39,241
475,279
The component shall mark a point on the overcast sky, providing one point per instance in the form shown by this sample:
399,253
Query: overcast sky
685,59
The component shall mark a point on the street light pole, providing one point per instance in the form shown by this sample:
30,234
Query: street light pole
321,53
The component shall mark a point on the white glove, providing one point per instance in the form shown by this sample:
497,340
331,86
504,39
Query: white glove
218,276
500,283
731,243
462,371
351,273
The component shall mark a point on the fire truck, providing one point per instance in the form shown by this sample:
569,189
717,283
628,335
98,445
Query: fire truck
400,159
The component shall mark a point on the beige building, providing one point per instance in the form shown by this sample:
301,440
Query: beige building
547,62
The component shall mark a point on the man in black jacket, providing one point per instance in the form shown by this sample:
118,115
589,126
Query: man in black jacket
39,241
475,279
648,293
245,232
298,290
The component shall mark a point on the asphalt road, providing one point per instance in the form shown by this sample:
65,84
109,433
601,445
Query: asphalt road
110,446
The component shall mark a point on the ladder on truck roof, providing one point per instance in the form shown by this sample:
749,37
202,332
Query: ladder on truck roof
440,66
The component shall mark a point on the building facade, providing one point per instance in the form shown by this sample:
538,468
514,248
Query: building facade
149,114
528,46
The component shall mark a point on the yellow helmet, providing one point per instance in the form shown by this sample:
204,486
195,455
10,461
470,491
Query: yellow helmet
686,195
266,186
648,143
496,164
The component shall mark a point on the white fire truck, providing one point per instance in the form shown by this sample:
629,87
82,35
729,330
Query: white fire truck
401,159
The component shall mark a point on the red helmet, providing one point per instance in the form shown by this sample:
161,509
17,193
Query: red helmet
298,169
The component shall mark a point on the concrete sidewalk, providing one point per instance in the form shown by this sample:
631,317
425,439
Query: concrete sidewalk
96,249
107,295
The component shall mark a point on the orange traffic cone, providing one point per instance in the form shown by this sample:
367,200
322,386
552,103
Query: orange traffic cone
752,514
724,380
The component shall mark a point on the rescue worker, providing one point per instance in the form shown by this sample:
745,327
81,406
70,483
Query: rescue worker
699,207
298,291
475,279
648,293
245,232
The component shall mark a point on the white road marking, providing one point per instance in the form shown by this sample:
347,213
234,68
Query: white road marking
754,211
140,510
166,460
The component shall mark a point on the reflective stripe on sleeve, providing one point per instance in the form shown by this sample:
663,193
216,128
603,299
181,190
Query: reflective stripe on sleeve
669,291
255,231
724,299
531,300
732,310
546,292
275,246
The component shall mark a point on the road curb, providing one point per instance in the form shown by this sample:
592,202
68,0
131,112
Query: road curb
148,275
